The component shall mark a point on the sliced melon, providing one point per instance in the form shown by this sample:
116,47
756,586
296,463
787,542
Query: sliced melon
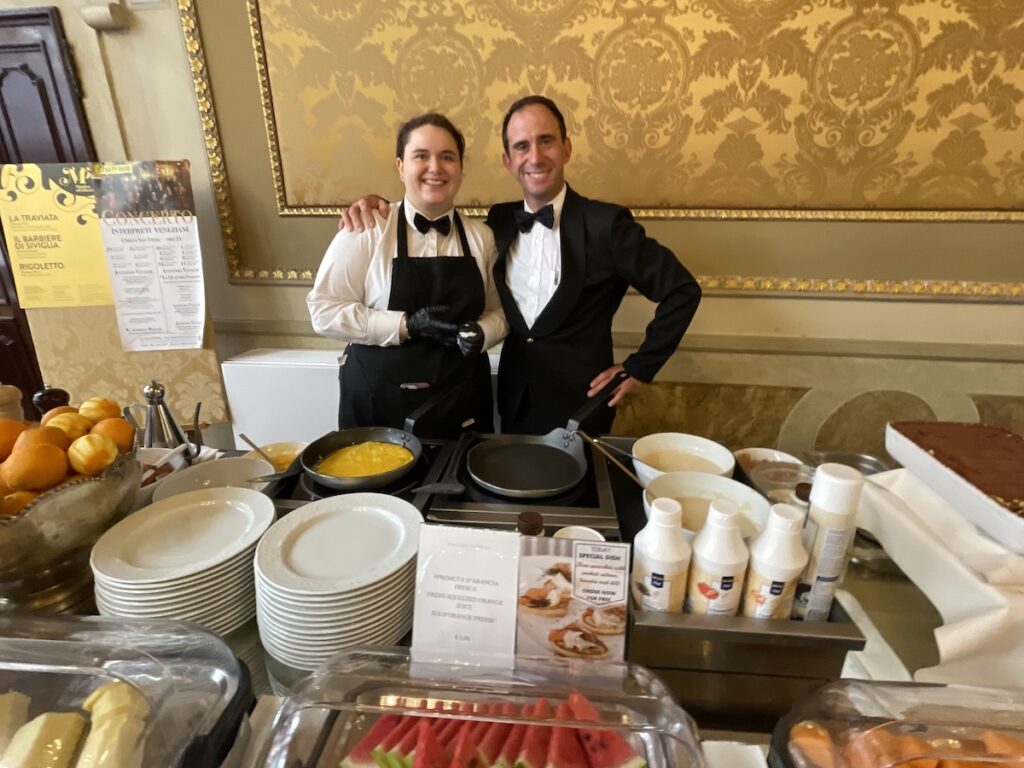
534,751
361,755
604,748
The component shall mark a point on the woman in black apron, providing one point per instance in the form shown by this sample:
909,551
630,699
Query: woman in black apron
421,353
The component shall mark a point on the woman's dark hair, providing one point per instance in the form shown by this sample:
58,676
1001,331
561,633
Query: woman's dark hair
431,118
527,101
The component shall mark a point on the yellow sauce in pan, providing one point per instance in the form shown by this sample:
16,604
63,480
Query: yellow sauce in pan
363,460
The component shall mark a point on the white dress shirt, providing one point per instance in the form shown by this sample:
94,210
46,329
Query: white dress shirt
350,295
535,264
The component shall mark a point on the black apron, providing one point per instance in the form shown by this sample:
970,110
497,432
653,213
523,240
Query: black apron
381,386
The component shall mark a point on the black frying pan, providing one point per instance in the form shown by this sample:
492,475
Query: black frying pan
536,466
329,443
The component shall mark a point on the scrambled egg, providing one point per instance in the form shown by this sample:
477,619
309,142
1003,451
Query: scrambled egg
364,459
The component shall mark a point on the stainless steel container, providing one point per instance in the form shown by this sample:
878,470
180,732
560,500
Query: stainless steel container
736,673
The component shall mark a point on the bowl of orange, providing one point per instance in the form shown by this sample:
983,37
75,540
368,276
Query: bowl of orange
63,482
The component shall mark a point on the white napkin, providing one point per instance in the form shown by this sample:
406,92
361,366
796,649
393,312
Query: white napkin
975,584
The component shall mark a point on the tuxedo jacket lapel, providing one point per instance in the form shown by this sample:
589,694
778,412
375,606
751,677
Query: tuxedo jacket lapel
505,233
574,267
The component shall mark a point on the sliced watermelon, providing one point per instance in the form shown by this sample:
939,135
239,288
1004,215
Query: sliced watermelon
448,731
464,752
604,748
514,741
565,750
493,739
428,753
534,751
481,726
361,755
380,752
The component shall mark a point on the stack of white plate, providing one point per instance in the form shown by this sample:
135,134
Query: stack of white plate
337,573
187,557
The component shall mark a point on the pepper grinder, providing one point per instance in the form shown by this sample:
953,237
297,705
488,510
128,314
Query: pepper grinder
161,430
48,398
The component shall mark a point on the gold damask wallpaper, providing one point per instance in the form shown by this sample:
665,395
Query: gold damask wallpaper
841,105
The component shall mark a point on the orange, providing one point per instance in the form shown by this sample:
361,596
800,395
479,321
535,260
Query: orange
35,468
39,435
9,431
56,412
118,430
96,409
4,487
91,454
13,503
68,479
74,425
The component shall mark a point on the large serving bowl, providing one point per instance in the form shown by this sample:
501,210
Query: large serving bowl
696,490
665,452
62,524
219,473
748,458
280,454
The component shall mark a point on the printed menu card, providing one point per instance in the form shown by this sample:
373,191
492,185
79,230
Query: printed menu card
572,598
465,596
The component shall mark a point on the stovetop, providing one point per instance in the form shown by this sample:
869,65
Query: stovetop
590,503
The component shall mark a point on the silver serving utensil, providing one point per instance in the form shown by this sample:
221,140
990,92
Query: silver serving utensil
248,441
160,462
606,449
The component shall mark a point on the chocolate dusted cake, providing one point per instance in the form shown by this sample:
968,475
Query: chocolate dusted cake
989,458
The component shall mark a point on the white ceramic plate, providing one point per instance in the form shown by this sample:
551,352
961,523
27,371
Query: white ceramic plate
229,594
339,544
182,535
298,645
221,473
242,561
402,592
210,619
390,584
330,623
194,589
310,661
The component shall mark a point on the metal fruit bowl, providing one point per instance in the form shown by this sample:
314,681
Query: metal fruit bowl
64,522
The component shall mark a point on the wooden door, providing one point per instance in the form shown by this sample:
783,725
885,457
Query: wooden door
41,121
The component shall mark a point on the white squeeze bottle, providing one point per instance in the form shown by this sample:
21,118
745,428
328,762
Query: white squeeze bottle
777,558
661,558
831,524
719,563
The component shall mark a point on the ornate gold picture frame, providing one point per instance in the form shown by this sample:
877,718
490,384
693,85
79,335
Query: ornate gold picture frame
721,110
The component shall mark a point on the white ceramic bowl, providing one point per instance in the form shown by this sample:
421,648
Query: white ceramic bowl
220,473
279,452
149,457
696,490
580,532
680,452
748,458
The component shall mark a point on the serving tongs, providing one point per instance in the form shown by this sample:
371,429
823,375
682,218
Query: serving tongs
607,449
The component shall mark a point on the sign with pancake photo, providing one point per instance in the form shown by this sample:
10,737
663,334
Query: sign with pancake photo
572,598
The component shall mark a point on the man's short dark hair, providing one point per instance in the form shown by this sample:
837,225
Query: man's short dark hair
430,118
527,101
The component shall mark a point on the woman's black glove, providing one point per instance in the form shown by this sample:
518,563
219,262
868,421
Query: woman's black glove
470,338
426,323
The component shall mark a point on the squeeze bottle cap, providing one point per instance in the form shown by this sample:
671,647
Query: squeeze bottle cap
786,518
723,514
836,489
666,511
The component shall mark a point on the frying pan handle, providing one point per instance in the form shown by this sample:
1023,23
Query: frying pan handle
442,395
593,403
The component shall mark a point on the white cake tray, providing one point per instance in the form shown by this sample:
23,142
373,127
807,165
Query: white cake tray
974,505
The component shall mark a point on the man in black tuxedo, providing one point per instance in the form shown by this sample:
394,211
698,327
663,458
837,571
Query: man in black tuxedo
564,265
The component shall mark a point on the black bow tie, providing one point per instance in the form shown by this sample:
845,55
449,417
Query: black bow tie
423,224
525,219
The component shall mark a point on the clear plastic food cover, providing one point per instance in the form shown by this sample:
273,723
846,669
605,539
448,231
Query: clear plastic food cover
857,724
103,692
372,706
